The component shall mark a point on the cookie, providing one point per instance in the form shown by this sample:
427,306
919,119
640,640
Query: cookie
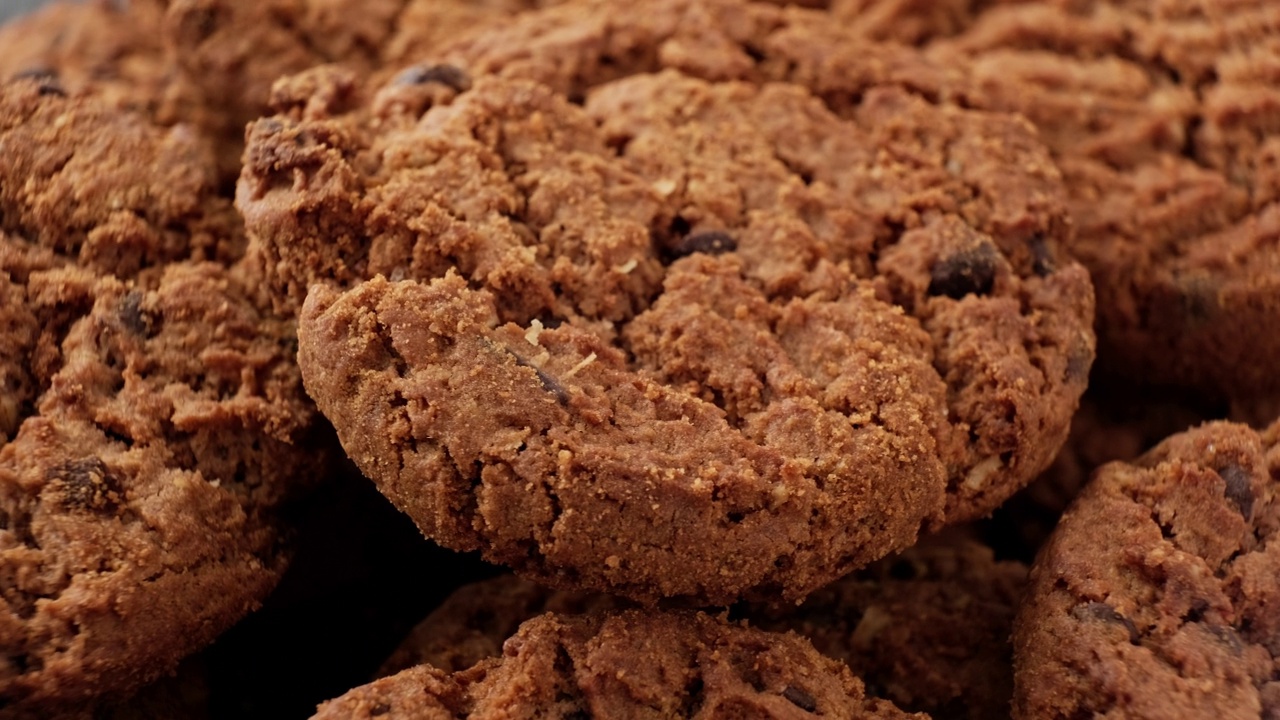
927,629
157,423
231,52
597,272
112,51
105,187
1155,595
628,664
1164,119
139,502
473,622
1112,424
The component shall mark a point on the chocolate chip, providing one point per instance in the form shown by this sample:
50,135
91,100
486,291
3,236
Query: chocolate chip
43,74
379,709
549,383
971,271
1042,262
447,75
1079,361
711,242
800,698
1103,612
1239,489
86,484
1228,637
47,78
131,313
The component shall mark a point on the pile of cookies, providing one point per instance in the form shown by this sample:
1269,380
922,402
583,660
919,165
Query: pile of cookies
878,359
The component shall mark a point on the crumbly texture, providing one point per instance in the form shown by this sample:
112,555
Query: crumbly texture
927,629
475,620
1165,120
1155,597
137,504
893,269
209,64
1112,424
154,420
97,48
231,52
104,186
630,664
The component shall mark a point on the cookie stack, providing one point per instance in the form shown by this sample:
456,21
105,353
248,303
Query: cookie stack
724,325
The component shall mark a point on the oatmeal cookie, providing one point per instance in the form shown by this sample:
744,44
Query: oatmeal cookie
1155,596
629,664
599,270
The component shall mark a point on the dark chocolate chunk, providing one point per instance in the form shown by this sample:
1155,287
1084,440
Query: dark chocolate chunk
1228,637
86,484
447,75
131,313
1103,612
1238,490
800,698
971,271
711,242
1042,262
549,383
46,77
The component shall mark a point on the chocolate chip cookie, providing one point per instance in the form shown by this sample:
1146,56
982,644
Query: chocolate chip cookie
100,48
1155,597
1165,120
153,423
473,622
579,285
627,664
927,629
105,187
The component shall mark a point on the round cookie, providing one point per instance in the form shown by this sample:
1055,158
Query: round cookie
629,664
157,423
1165,119
927,629
473,622
1155,596
138,503
597,270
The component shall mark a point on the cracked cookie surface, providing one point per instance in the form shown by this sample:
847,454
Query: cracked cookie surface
600,270
154,420
1165,120
1155,595
629,664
